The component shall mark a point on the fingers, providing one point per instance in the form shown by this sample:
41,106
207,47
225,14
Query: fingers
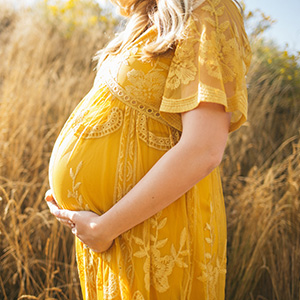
65,217
51,201
49,195
65,214
67,223
54,209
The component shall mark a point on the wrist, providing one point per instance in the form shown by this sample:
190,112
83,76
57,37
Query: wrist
104,229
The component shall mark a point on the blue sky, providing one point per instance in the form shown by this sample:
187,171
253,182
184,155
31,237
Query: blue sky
285,31
287,27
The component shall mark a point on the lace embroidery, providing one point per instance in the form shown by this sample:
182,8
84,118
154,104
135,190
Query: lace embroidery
210,276
111,286
138,296
127,258
204,92
183,69
75,186
127,160
88,267
159,258
113,123
154,141
126,179
158,268
216,52
121,94
145,86
211,267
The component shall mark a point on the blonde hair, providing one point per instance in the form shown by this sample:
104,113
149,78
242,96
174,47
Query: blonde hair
168,16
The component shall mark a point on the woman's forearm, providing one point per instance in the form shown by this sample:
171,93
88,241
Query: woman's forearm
172,176
198,152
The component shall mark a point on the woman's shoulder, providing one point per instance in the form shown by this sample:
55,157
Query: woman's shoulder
218,14
222,23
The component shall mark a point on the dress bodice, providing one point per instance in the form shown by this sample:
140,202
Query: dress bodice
130,118
135,81
208,64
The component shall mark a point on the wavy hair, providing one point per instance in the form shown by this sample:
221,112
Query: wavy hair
168,16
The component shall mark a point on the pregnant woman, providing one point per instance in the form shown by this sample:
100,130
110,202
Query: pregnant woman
134,172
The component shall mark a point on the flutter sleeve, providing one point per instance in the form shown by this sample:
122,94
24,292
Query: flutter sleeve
209,65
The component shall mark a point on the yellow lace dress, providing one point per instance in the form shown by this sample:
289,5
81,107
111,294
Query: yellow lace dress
128,120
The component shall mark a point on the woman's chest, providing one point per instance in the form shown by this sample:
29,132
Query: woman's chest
136,81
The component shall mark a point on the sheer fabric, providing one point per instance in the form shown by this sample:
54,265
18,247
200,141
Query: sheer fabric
210,64
129,119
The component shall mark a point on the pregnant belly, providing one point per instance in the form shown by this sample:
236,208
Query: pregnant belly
82,172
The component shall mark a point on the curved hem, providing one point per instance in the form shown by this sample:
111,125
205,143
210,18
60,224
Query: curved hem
238,102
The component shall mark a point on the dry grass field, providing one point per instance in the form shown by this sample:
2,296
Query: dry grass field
45,69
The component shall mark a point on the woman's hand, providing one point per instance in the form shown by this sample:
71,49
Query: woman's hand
53,206
198,152
84,224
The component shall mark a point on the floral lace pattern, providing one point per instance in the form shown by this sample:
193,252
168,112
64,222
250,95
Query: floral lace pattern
152,140
145,86
183,69
209,65
128,121
74,193
86,131
145,108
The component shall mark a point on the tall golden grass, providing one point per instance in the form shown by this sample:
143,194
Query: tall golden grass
43,75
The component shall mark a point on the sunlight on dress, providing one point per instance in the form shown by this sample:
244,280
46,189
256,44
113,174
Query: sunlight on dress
124,125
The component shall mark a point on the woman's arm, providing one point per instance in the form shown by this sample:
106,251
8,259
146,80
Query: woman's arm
199,151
